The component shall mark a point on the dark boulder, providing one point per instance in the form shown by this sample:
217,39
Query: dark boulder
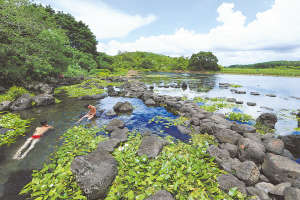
111,91
120,134
253,136
227,136
266,187
291,193
267,119
254,93
280,169
239,102
108,145
232,149
279,189
228,181
240,92
251,104
260,194
248,172
292,143
219,154
231,100
4,105
184,85
275,146
251,150
123,107
95,173
271,95
161,195
151,146
22,103
242,128
115,124
44,99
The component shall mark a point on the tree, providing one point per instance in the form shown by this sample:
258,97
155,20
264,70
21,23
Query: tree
203,61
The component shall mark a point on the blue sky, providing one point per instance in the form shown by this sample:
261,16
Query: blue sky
237,31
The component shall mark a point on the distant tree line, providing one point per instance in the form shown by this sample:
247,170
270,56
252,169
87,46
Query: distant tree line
270,64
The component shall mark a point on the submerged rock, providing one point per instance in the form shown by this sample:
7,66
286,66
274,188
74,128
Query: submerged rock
123,107
254,93
271,95
251,104
150,102
94,173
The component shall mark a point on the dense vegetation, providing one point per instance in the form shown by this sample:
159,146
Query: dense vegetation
36,43
55,180
270,64
16,125
204,61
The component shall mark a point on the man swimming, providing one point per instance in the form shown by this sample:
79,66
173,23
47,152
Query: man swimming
91,114
39,132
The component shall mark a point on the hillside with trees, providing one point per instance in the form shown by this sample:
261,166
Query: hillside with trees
38,42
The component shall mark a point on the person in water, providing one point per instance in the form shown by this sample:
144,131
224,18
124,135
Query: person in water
39,132
91,114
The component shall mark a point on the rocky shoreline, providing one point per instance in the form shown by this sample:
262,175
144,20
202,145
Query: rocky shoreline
258,165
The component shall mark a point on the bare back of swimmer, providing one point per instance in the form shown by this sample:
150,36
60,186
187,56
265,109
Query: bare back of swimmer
39,132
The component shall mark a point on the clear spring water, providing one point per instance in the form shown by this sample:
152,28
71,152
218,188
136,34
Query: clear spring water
15,174
286,89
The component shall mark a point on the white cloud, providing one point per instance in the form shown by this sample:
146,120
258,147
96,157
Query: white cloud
104,21
273,35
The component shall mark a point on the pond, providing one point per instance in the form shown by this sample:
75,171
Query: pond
284,105
14,174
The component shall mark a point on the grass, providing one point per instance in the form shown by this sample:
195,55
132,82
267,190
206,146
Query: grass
277,71
14,122
88,87
13,93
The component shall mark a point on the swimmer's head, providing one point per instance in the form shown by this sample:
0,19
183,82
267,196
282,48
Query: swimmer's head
86,105
44,123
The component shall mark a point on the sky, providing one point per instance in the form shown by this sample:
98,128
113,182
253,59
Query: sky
236,31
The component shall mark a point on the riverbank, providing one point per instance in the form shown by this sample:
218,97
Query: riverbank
260,72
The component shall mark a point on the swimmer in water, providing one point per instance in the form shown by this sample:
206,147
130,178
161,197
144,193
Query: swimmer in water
39,132
91,114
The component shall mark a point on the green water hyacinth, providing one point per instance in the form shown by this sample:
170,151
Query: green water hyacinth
14,122
241,117
185,170
55,180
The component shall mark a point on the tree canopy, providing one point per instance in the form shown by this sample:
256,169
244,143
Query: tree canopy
203,61
270,64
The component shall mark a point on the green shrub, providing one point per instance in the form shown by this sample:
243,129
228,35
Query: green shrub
13,93
12,121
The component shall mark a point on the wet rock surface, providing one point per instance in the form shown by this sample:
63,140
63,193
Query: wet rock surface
123,107
22,103
44,99
95,173
267,119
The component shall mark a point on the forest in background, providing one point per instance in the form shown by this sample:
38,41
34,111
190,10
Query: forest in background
38,43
